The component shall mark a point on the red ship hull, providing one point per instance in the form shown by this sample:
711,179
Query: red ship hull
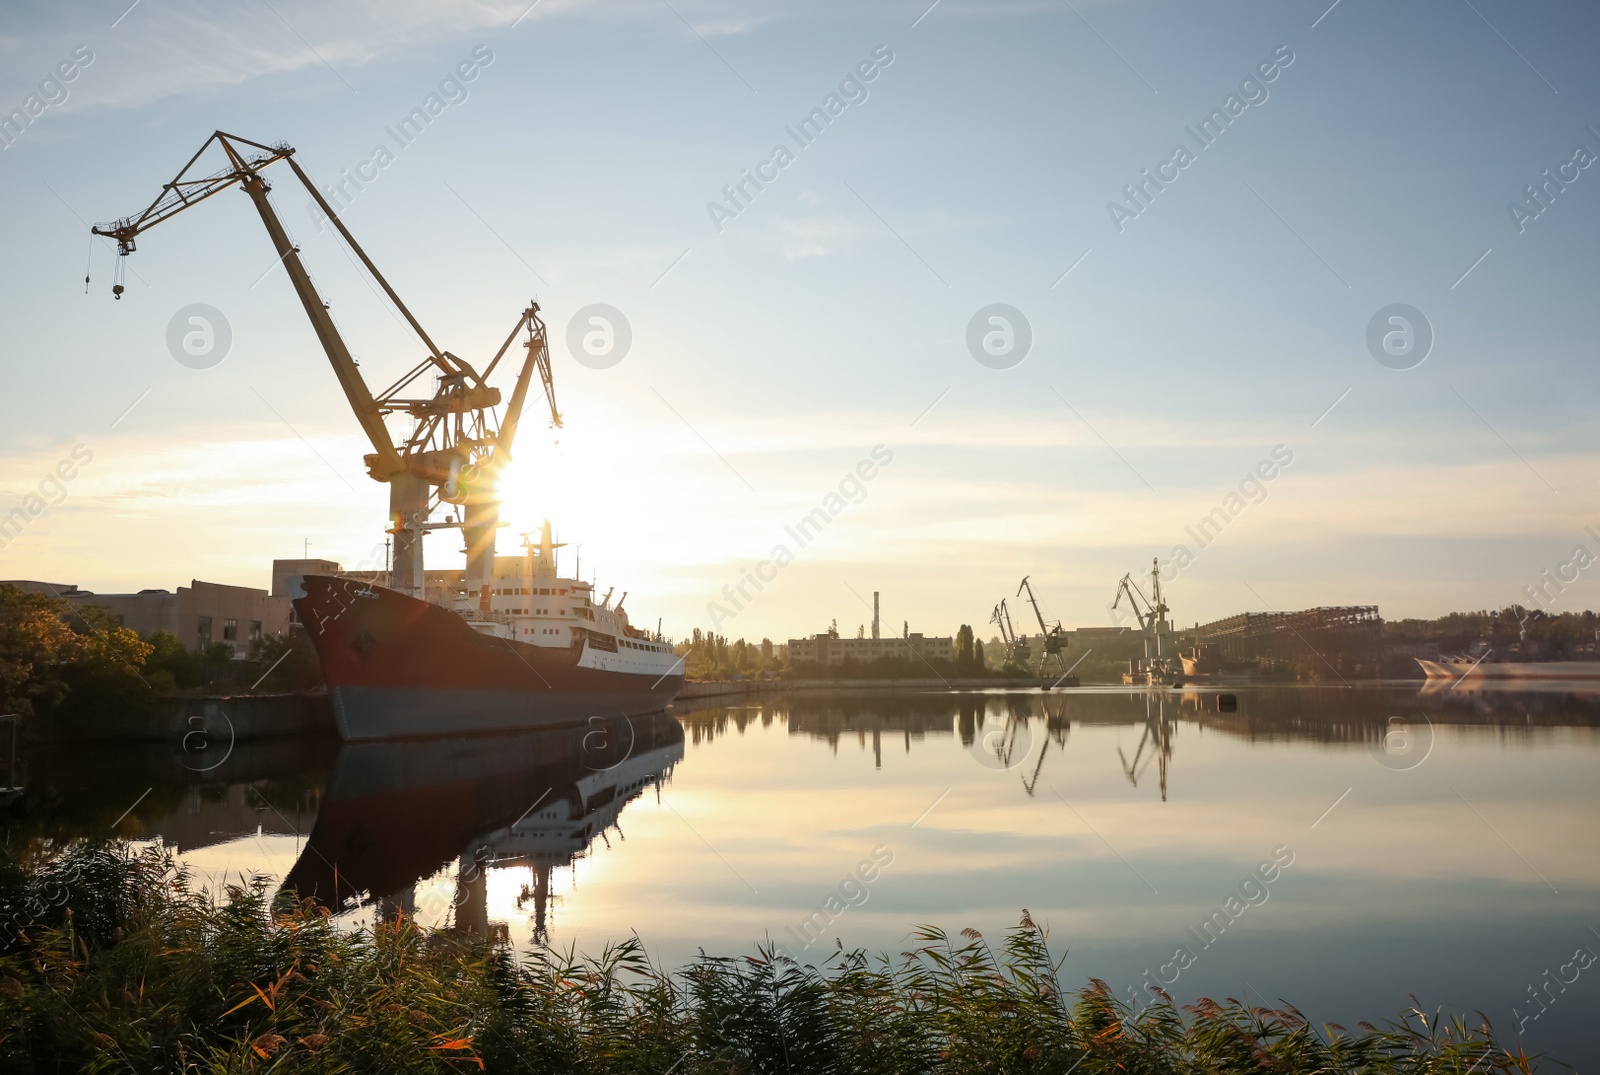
396,666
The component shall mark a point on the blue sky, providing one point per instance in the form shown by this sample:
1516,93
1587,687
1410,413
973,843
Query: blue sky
772,355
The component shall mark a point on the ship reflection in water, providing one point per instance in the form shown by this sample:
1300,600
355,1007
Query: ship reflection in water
398,813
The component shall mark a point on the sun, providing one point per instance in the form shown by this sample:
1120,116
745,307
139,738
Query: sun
539,484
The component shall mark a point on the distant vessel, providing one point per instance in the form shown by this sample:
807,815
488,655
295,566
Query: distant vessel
1201,660
535,650
1467,669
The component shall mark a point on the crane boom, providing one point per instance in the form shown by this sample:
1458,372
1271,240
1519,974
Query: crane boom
1054,639
456,431
344,365
1025,588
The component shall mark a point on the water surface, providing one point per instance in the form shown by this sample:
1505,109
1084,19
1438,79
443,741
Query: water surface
1338,848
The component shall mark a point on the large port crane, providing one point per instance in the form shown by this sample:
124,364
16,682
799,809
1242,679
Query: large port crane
1054,641
1016,644
1157,669
461,437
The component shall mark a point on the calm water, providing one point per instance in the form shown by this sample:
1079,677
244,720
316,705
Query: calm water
1453,852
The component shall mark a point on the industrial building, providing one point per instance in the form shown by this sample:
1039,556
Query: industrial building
1314,642
828,649
199,615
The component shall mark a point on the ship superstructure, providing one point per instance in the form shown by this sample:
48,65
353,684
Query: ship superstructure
528,601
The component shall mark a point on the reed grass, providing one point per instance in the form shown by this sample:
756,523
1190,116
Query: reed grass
113,962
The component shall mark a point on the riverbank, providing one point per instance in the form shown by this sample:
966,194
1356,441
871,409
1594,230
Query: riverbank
725,688
112,961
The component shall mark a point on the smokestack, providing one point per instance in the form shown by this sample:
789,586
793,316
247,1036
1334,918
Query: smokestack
874,613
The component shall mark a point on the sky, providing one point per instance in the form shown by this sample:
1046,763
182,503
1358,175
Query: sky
1175,355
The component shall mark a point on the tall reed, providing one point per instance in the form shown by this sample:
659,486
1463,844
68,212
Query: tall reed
113,962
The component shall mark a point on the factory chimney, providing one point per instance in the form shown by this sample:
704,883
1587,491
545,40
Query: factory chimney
874,613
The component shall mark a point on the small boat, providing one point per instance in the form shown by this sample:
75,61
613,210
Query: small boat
1152,672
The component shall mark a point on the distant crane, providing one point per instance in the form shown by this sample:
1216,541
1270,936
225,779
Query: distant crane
459,444
1152,617
1055,639
1017,649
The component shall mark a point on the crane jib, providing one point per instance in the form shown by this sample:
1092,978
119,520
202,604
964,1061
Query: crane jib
456,427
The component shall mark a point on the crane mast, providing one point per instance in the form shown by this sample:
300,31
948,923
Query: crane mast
459,444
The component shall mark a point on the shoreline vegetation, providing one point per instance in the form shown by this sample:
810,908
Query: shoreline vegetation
67,669
110,960
1514,631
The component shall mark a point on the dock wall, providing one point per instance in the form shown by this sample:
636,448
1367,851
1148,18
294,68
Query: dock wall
750,688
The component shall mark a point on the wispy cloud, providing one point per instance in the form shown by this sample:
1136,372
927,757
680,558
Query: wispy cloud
185,46
814,235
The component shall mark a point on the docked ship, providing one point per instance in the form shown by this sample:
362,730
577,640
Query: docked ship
513,646
1487,671
530,649
1201,659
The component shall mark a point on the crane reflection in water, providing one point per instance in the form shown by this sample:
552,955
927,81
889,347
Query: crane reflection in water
1002,731
1008,741
414,826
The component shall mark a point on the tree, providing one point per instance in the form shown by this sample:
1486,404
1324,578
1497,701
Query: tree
170,665
34,643
289,662
44,659
964,647
105,676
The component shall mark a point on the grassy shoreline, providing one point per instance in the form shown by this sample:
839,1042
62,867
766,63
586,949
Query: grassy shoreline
112,962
